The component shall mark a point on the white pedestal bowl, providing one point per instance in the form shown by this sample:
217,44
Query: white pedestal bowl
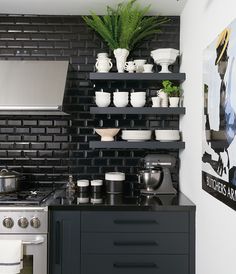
164,58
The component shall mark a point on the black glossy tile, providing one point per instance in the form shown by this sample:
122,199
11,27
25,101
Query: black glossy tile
41,146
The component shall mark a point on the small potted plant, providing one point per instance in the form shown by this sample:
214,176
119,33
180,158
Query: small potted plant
124,27
172,91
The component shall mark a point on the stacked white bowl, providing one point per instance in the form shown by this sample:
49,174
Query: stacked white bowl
136,135
138,99
121,98
102,99
167,135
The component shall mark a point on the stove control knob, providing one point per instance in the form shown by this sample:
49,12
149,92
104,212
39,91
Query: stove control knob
23,222
35,222
8,222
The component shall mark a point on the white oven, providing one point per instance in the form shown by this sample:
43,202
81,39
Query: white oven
34,252
30,225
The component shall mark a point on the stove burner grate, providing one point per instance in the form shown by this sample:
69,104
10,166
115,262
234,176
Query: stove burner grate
30,197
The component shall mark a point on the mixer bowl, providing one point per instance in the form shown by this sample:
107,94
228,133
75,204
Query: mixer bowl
150,179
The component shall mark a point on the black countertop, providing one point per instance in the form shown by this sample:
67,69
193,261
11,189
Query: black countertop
109,202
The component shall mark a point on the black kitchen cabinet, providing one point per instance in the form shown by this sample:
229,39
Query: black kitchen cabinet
122,241
64,242
125,242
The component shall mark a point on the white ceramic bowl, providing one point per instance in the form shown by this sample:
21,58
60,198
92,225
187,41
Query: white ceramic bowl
138,99
107,134
102,99
121,98
136,135
167,135
164,57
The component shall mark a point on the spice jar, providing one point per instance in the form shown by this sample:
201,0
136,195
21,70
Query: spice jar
83,185
96,185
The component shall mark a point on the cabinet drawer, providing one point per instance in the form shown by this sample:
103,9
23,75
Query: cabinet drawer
134,243
134,221
135,264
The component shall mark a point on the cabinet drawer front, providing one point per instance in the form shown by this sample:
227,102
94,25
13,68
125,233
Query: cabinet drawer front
134,221
135,264
135,243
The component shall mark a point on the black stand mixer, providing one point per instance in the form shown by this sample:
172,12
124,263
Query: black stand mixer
155,177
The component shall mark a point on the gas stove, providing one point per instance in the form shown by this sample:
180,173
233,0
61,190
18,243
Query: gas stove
24,216
34,196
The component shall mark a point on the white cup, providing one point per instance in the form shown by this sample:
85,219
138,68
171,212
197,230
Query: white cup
102,99
130,66
138,99
147,68
121,98
139,65
156,102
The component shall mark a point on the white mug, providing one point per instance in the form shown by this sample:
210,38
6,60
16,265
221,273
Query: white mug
139,64
147,68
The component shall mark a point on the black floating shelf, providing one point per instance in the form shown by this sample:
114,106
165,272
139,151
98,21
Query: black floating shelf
142,110
137,76
138,145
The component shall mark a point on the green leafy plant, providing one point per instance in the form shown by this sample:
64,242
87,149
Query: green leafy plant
170,89
125,26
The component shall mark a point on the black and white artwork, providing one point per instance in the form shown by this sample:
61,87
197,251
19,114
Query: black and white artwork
219,141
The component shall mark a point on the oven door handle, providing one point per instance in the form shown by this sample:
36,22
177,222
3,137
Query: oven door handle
38,241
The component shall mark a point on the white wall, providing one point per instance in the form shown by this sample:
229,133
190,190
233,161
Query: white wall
201,22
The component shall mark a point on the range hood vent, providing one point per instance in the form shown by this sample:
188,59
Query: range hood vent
32,87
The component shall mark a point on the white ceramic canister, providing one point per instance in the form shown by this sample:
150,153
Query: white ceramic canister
103,63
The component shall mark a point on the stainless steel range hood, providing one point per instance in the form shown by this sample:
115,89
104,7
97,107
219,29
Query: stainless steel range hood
32,87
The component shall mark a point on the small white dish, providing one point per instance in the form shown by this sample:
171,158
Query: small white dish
167,135
136,135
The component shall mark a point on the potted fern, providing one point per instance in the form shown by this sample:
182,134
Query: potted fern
173,92
123,27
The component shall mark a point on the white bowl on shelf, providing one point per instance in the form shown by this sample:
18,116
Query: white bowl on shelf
138,99
102,99
167,135
164,57
107,134
136,135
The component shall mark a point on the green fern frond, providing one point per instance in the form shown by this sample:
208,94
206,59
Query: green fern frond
126,25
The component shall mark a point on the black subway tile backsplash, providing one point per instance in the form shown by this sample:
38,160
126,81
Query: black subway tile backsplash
49,148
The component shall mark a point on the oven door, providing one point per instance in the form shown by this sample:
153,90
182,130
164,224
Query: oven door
35,252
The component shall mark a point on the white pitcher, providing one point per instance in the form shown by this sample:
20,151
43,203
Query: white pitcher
103,63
